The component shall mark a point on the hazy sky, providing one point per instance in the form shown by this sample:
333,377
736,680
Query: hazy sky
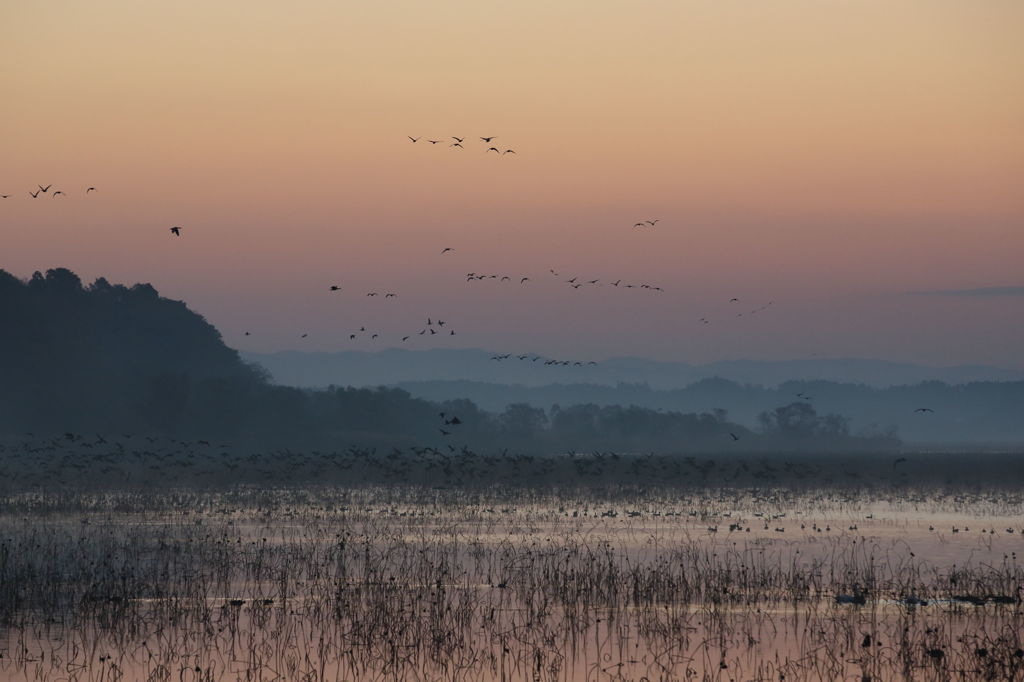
836,157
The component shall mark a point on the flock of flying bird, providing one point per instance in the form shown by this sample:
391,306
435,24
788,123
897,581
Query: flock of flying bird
576,282
459,140
46,190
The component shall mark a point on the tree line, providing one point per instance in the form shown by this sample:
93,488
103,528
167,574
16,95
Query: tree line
106,358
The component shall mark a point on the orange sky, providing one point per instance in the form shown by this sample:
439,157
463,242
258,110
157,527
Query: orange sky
827,156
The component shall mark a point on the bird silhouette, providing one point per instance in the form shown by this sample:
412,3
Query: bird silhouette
508,151
524,280
488,139
35,195
638,224
733,436
458,139
493,149
734,300
457,144
335,287
90,189
176,231
4,196
446,249
652,223
57,193
414,139
924,409
44,190
433,141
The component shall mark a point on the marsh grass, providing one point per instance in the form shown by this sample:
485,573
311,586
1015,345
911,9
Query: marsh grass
412,582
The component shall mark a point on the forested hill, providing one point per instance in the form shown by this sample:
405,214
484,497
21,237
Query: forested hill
74,356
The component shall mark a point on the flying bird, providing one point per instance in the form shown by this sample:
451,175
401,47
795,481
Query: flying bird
335,287
924,409
414,139
44,189
524,280
458,139
652,223
493,149
90,189
639,224
508,151
433,141
4,196
456,144
35,195
58,193
488,139
734,300
176,231
733,436
446,249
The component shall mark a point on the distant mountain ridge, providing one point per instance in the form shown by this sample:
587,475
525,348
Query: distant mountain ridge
399,366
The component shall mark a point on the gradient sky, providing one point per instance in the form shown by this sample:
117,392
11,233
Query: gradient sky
838,158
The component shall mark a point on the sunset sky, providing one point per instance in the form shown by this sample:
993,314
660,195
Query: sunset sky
858,163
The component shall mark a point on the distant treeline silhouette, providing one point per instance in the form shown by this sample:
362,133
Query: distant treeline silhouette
978,412
110,359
